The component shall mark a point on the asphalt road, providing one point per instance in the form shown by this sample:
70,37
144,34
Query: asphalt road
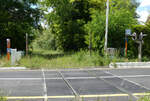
71,85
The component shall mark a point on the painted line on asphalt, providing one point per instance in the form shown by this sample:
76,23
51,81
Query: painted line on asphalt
25,97
126,76
141,94
27,78
105,95
38,97
114,85
21,78
78,69
82,96
69,85
135,83
133,76
44,86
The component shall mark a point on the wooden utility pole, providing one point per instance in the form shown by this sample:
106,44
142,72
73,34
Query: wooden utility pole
26,44
90,44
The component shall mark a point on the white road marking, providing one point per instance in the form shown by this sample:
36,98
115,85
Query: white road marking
113,84
21,78
71,96
134,76
126,76
122,77
77,96
45,88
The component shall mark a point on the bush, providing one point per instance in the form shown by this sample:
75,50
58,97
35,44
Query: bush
2,98
145,98
45,41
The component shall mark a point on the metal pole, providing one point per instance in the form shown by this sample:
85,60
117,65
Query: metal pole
90,43
126,45
106,32
26,44
140,51
8,49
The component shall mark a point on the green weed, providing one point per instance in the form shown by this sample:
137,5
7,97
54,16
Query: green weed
54,59
145,98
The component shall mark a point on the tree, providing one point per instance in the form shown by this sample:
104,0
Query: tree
17,17
67,20
121,16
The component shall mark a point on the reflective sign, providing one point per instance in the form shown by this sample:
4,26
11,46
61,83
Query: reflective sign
128,31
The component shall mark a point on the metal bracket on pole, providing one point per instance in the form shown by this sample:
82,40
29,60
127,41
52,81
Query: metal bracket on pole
140,42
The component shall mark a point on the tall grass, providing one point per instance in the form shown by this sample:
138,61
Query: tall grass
2,98
53,59
4,62
145,98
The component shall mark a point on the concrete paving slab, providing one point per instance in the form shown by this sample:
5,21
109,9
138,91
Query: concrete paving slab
26,100
21,87
144,81
57,87
20,74
99,73
65,99
137,71
116,98
93,86
30,83
52,74
80,73
129,86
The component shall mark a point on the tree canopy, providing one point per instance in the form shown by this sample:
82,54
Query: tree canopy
17,17
70,23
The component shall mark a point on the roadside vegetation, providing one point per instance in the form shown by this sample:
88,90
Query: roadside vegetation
145,98
2,98
60,32
80,59
52,60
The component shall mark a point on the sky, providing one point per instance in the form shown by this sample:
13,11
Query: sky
143,10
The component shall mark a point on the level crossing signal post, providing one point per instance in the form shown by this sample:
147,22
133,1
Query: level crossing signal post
139,41
135,38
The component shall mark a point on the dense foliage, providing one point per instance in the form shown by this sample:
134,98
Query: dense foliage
121,16
66,21
69,24
72,22
17,17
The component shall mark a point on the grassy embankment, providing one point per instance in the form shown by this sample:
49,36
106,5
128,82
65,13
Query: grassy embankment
52,60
